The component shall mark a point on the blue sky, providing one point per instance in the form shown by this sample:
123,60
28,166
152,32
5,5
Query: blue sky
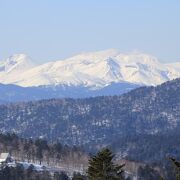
55,29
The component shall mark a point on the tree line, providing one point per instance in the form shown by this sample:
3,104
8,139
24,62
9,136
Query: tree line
39,151
101,167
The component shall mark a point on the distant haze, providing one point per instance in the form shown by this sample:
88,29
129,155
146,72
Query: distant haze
52,30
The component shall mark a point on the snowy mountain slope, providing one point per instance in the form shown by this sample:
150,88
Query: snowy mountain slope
94,70
175,66
13,67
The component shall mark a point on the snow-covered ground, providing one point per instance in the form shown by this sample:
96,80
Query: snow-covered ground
69,170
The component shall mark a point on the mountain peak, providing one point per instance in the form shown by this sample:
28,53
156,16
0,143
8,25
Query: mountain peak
96,56
136,57
18,58
18,62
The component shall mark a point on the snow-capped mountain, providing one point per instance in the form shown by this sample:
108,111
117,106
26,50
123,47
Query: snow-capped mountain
13,67
94,70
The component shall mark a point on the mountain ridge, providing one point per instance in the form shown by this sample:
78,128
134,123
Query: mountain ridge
13,93
94,122
94,70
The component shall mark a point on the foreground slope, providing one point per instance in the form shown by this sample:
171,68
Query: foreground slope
97,121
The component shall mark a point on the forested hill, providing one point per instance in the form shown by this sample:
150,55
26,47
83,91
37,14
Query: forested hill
96,121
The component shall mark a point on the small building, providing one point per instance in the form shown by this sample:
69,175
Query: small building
5,158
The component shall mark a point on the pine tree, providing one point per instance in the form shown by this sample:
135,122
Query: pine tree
78,176
101,167
177,167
